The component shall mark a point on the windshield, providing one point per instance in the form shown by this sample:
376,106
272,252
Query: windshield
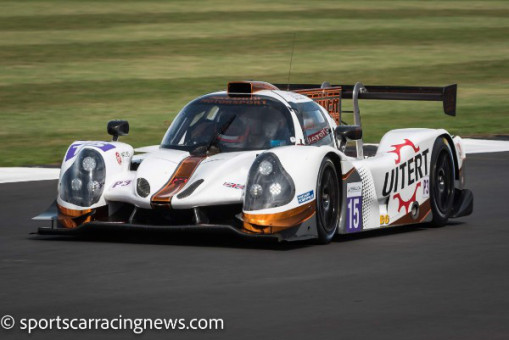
230,124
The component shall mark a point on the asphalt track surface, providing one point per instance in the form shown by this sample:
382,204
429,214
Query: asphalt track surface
406,283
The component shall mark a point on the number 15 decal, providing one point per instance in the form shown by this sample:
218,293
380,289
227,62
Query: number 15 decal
354,207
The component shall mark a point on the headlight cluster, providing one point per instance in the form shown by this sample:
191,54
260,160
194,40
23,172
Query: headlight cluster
83,183
268,185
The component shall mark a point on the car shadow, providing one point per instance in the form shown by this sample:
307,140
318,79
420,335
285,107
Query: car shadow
176,239
224,240
379,233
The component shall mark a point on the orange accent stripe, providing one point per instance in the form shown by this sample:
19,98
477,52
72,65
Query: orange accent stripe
425,215
271,223
179,179
345,176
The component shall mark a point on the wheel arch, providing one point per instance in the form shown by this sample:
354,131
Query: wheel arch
454,154
336,159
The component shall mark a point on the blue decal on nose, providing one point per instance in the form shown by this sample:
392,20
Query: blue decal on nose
100,145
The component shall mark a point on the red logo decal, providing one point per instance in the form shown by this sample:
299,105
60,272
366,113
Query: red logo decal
234,185
406,204
119,159
179,180
315,137
398,147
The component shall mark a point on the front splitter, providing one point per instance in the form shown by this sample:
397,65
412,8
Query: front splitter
98,226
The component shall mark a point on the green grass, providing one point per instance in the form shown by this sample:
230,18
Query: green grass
67,67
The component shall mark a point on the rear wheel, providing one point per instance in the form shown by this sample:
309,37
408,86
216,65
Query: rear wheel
442,182
328,200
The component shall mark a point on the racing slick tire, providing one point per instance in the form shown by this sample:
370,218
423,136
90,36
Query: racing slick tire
328,201
441,182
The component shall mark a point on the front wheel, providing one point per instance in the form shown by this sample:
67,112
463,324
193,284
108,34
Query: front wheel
328,201
442,182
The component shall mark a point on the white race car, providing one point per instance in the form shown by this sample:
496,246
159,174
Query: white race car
264,162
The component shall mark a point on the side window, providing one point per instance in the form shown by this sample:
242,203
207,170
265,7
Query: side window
314,125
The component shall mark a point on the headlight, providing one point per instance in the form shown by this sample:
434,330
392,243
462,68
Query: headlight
88,163
76,184
83,183
255,190
93,186
265,168
275,189
268,185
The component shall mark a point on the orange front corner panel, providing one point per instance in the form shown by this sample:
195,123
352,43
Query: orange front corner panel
272,223
329,98
179,179
70,218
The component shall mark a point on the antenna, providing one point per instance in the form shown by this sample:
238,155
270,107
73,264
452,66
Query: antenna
291,60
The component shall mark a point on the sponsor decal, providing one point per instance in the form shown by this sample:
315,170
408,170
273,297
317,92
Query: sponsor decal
233,101
406,173
315,137
234,185
398,147
402,203
413,172
327,98
119,159
277,142
307,196
425,187
354,207
384,219
121,184
354,189
100,145
125,154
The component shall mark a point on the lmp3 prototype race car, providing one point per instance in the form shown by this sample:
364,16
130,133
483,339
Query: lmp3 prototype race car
264,162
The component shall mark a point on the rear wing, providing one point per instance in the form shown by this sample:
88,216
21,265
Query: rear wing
445,94
329,96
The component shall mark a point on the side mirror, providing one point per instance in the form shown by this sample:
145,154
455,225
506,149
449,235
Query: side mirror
118,128
348,132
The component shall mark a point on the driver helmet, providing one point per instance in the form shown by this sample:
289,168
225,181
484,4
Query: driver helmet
236,133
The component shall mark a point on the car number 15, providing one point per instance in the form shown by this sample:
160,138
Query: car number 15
354,207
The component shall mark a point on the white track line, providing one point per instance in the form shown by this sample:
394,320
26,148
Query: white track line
485,146
11,175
